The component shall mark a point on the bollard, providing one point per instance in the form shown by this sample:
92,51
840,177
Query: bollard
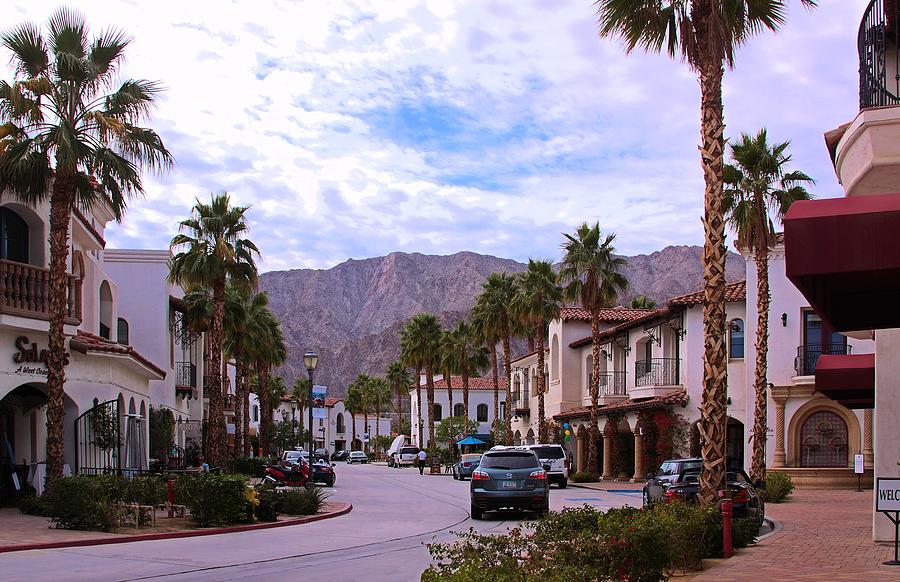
170,496
727,549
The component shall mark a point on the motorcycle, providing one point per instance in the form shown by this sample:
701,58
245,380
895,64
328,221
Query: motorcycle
294,476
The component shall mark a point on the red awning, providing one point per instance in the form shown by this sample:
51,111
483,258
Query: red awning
849,379
843,254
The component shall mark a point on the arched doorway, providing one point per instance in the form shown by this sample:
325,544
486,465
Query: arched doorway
529,438
734,443
517,438
623,459
105,322
824,440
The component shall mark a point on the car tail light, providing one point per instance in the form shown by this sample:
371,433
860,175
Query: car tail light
740,496
480,476
672,494
539,474
567,464
467,464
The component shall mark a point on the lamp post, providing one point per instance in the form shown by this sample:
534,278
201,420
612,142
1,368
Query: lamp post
310,360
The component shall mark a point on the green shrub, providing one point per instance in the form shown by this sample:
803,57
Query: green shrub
150,490
32,505
301,501
267,510
75,503
214,499
584,477
744,532
778,486
253,466
110,488
688,532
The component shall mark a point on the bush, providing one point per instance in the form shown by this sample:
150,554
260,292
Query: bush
744,532
267,510
75,503
778,486
301,501
149,490
32,505
214,499
253,466
584,477
688,532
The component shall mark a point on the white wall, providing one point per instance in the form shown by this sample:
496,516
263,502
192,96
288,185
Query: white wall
476,397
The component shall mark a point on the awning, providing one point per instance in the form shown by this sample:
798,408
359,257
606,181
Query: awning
848,379
842,254
470,440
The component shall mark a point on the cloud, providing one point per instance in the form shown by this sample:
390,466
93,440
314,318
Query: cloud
356,128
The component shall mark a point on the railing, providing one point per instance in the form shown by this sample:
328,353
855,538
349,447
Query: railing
229,402
878,39
25,291
520,400
612,383
808,356
657,372
186,374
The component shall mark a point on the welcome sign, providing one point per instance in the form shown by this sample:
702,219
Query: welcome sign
887,495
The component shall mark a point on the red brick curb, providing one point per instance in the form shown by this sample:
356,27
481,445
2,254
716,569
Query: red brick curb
343,508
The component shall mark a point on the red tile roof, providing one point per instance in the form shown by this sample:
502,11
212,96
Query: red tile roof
678,398
84,343
90,227
734,292
475,383
608,315
612,332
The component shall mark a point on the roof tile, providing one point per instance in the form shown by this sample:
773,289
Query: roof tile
85,342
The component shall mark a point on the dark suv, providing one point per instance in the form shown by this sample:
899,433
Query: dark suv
667,474
512,479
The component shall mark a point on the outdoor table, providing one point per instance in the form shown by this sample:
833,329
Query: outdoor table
37,475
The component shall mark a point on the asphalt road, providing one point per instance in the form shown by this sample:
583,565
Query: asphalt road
395,513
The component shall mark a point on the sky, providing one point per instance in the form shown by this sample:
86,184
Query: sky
356,128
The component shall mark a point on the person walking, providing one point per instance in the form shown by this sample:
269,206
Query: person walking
422,455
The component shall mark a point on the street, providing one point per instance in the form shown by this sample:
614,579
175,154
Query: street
395,512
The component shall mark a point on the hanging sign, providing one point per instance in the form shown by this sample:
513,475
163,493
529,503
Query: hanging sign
318,401
858,464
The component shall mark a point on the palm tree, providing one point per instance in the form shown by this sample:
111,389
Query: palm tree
422,341
537,302
642,302
463,349
300,395
410,355
234,329
400,380
705,34
591,275
362,387
493,309
447,364
70,136
265,349
353,404
213,255
757,186
487,333
380,391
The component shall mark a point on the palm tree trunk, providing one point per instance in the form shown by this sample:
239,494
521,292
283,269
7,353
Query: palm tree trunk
713,413
216,439
365,428
353,422
507,370
238,408
760,424
541,388
449,378
595,393
377,417
265,409
60,214
465,393
245,404
418,405
495,425
429,392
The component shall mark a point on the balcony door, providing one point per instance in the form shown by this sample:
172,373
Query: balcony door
819,338
13,237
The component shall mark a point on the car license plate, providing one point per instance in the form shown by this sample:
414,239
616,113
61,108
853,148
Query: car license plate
510,484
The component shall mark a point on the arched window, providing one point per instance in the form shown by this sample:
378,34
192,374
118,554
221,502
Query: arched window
437,414
823,440
13,237
105,310
482,413
255,413
736,339
340,423
122,332
458,410
555,357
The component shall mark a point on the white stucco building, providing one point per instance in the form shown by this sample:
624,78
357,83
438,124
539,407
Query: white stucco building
481,404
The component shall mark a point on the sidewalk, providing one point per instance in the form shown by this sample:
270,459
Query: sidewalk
826,535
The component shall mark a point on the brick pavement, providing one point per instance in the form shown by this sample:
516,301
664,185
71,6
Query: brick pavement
826,535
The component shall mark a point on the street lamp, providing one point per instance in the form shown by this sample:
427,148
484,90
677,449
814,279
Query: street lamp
310,360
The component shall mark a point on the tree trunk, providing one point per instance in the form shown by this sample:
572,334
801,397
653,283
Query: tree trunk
541,388
216,439
418,405
245,404
449,378
238,407
760,424
429,392
60,215
713,413
265,409
595,393
353,422
507,364
465,392
365,429
377,418
495,378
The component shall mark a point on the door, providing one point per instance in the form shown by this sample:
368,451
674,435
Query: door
819,338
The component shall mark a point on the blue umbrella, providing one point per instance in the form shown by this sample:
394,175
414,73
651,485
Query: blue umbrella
470,440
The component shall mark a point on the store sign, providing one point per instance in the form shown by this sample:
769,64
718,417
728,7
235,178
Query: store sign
887,495
28,353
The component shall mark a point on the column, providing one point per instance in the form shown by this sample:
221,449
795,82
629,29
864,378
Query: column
607,456
868,452
779,432
640,473
579,451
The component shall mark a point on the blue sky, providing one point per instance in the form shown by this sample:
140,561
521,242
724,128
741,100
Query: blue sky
358,128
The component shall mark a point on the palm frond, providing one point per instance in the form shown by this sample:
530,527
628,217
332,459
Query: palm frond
31,55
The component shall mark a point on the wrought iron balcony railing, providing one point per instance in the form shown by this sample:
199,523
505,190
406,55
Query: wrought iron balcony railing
808,356
25,291
879,55
186,374
657,372
612,383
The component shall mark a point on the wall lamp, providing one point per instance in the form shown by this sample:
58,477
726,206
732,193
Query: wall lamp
784,320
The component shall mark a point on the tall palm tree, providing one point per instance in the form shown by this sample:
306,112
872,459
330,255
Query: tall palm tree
362,386
68,134
757,186
400,380
591,275
265,349
300,395
380,392
353,404
234,330
493,311
705,33
213,254
463,349
448,364
410,355
537,302
423,339
487,333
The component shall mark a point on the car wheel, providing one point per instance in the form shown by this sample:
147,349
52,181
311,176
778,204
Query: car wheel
476,513
330,483
562,484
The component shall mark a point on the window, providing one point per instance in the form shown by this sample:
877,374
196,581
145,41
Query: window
458,410
13,237
823,440
255,413
554,357
482,412
502,409
122,331
736,339
105,310
340,423
436,413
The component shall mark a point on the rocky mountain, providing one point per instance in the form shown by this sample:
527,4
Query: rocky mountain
352,314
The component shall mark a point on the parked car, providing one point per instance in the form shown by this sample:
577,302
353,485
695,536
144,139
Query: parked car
358,457
340,455
407,455
294,456
512,479
323,472
668,473
555,456
321,454
745,501
466,464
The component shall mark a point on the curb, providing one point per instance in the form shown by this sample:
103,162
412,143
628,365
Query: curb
345,509
581,486
776,529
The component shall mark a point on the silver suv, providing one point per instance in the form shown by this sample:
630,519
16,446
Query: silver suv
555,457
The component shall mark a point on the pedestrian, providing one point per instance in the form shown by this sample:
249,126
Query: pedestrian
422,456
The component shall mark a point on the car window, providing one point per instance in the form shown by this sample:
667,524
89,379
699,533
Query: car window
470,458
691,465
409,451
510,460
548,452
668,468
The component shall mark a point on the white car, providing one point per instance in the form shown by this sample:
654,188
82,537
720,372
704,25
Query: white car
406,456
357,457
555,456
294,456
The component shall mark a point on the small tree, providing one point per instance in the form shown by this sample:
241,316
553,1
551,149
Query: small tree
454,428
105,430
162,432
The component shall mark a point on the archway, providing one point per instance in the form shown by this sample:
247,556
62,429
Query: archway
529,438
734,444
24,238
623,459
823,440
796,434
555,357
517,438
105,322
696,445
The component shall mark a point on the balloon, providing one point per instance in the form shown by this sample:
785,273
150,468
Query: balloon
568,433
565,425
568,437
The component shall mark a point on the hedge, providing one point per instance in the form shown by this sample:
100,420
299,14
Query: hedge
214,499
86,502
253,466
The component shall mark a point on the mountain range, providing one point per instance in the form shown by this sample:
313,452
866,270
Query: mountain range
351,314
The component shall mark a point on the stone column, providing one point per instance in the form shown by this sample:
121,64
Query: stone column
640,473
579,451
868,452
607,456
779,433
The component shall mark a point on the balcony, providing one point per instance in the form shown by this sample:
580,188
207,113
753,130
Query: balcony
879,53
25,292
186,379
520,406
655,377
808,356
612,387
